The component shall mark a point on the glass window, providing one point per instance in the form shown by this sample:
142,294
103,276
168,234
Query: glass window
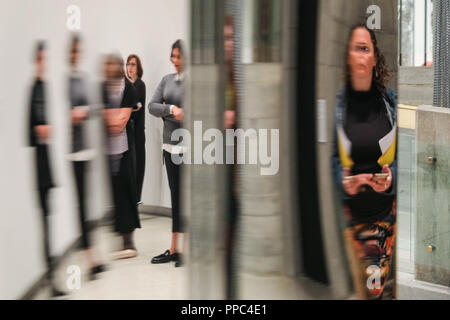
262,31
416,33
206,32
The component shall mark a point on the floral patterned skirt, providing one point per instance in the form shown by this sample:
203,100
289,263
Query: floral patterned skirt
370,248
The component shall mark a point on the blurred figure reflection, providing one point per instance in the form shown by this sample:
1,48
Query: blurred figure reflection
39,138
230,97
119,100
231,171
364,162
167,103
81,154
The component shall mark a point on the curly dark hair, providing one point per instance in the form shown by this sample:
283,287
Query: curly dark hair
382,72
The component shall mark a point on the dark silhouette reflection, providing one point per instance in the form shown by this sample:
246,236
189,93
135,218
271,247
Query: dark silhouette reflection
231,170
39,138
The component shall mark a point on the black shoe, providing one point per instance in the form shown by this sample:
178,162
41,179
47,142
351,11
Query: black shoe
163,258
178,259
96,270
56,293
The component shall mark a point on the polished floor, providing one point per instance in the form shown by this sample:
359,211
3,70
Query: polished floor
138,279
134,278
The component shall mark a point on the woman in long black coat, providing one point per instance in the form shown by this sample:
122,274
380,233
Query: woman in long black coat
134,74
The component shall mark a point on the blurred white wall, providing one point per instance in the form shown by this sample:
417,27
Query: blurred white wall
145,27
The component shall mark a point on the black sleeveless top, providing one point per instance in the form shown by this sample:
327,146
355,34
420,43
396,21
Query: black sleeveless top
366,123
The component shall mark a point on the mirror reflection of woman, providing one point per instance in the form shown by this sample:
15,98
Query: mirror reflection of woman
231,106
119,100
39,135
364,162
81,155
167,103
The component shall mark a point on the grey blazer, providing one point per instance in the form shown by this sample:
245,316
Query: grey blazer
169,92
78,97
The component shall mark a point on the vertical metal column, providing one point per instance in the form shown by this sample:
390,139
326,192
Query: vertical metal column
203,183
441,97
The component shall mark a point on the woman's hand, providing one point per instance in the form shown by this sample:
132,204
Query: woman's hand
178,113
382,185
116,119
139,106
115,130
353,185
230,119
43,131
79,114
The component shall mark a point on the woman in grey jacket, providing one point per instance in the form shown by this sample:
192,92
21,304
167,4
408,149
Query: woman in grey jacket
167,103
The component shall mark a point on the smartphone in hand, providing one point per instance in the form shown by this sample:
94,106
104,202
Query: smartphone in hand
349,178
380,176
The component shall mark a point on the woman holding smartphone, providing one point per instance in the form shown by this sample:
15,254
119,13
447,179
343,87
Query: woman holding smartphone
364,161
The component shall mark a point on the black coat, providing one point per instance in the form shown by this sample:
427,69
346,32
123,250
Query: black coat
78,97
126,217
138,122
139,116
38,116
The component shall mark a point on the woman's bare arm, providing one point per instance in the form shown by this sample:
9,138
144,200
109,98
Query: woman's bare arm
116,119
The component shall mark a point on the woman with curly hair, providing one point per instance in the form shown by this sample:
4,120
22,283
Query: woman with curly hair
364,161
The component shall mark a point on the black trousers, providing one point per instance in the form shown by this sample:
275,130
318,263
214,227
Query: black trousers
173,175
126,218
79,169
139,139
232,216
140,167
43,201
